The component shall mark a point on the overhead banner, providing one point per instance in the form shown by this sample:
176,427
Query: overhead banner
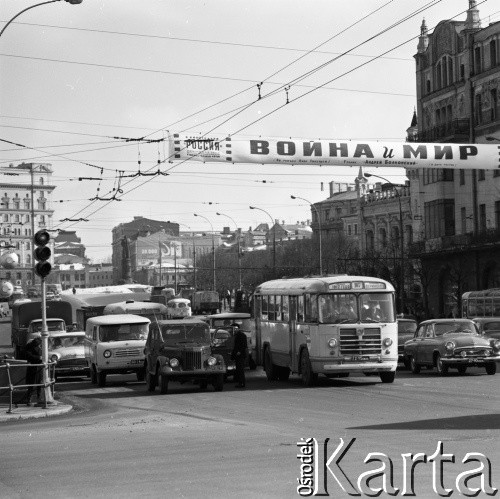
289,151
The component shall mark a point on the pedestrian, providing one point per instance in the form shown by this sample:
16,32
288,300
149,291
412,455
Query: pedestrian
74,290
34,373
239,354
228,299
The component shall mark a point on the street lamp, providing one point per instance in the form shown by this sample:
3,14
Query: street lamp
238,247
401,240
213,245
73,2
319,227
274,235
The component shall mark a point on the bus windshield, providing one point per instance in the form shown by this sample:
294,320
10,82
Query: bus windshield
345,308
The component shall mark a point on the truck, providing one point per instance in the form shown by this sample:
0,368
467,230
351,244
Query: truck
205,302
161,294
27,318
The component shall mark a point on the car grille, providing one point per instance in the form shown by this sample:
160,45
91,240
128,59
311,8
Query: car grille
191,360
128,352
472,352
72,363
367,343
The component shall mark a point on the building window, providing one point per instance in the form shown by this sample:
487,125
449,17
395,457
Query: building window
349,230
463,220
439,218
477,60
369,240
462,72
494,104
355,229
493,53
497,215
478,109
462,176
383,238
428,86
481,174
482,217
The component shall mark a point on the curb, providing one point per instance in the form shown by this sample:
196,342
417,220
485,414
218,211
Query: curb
25,412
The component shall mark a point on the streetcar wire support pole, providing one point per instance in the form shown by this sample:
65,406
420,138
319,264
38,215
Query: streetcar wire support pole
274,236
401,239
238,246
213,246
319,229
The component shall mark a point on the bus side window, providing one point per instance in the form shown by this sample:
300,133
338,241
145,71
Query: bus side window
271,311
311,308
285,309
277,308
300,309
265,308
94,333
292,308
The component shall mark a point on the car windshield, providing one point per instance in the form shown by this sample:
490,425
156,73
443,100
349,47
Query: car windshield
51,325
123,332
185,332
454,327
491,326
336,308
407,327
65,342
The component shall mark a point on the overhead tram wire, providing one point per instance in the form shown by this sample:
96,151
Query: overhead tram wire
259,119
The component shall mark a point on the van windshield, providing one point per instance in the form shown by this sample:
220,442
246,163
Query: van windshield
123,332
185,332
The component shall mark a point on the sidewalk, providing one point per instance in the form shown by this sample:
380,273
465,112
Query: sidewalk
22,411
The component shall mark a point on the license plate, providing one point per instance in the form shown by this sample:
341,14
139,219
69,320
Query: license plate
136,361
356,358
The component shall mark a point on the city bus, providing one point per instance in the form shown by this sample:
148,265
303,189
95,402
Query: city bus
151,310
332,325
485,303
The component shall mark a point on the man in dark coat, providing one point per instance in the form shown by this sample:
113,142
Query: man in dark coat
239,354
34,373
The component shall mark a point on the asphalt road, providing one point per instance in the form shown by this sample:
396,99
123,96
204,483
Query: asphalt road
122,441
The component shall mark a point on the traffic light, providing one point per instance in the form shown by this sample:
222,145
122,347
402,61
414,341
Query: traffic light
42,253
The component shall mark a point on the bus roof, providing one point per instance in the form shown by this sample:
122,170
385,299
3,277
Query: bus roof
109,320
492,292
134,307
322,284
80,300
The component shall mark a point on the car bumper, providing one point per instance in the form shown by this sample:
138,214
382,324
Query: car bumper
468,361
73,371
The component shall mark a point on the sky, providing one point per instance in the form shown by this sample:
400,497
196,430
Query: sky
77,82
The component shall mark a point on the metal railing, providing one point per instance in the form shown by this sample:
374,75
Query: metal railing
8,366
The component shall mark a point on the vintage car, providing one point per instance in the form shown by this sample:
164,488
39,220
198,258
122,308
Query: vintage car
67,350
455,343
181,350
406,331
488,326
222,328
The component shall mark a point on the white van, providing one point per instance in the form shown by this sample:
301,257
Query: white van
178,308
114,344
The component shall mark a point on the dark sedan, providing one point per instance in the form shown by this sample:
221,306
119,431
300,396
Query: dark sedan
489,327
455,343
406,331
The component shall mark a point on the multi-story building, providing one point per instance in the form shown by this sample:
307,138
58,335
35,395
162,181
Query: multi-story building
456,213
26,206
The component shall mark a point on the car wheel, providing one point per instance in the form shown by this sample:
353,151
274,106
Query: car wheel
406,363
283,373
218,382
491,368
251,364
151,380
203,384
442,369
269,367
388,377
163,383
140,375
93,375
462,370
415,368
309,378
101,378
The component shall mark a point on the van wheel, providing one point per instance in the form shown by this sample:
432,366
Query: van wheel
163,384
388,377
93,375
101,378
283,373
218,382
140,375
415,368
309,378
151,380
269,367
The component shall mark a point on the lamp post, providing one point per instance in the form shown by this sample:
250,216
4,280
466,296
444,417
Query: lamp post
401,239
213,246
274,236
73,2
238,246
319,228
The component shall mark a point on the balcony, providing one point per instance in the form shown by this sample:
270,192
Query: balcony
451,131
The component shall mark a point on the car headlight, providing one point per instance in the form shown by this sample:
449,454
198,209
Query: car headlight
174,362
54,358
495,344
211,361
332,343
107,354
450,346
387,342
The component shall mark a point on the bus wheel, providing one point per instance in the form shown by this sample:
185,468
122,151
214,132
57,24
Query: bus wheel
283,373
308,377
163,384
388,377
101,378
93,375
269,367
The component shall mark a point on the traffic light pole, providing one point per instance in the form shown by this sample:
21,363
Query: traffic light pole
47,399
